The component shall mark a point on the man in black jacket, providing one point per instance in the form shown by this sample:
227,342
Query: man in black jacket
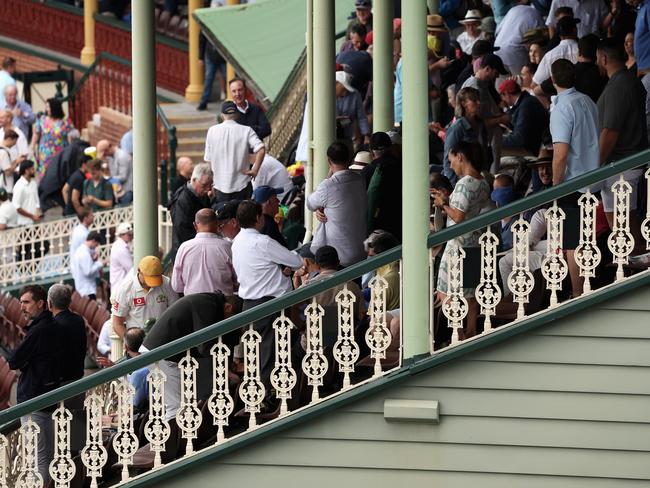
72,329
39,359
188,200
249,114
189,314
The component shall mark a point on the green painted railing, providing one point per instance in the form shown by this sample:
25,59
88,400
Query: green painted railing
302,294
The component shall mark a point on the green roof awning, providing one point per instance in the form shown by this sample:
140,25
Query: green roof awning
264,40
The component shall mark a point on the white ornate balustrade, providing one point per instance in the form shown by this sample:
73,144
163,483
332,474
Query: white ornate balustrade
34,252
308,372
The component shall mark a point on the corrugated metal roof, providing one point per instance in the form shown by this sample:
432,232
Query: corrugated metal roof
264,40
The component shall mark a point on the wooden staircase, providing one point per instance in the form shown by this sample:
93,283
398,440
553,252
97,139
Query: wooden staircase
191,127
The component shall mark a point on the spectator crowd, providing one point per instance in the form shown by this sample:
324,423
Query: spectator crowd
521,97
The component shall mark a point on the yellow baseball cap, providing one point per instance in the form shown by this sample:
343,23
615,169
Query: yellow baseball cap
151,270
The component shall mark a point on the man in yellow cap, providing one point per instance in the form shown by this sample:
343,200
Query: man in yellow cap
143,297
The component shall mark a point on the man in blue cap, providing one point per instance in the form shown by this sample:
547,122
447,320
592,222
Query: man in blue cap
267,197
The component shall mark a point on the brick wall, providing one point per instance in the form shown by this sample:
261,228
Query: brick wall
26,63
113,125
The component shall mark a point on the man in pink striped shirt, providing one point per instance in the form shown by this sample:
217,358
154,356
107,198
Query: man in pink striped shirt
204,264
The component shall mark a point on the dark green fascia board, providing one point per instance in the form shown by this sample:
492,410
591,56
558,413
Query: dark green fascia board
539,198
410,368
209,333
118,24
50,56
67,279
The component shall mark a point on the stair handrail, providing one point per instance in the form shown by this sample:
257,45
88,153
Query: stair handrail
304,293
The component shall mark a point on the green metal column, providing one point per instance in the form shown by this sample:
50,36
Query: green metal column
309,164
416,296
382,66
145,178
323,92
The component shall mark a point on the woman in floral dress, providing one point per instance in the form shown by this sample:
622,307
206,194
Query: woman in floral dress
50,134
470,196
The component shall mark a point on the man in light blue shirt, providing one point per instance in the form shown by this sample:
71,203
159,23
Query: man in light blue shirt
642,34
574,126
86,266
22,113
6,77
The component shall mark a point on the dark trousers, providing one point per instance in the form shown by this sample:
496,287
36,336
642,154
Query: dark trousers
267,347
244,194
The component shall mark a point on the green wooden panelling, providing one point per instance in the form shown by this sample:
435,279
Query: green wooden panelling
552,405
565,405
288,476
499,431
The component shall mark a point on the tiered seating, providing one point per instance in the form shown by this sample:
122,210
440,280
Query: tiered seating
7,379
94,316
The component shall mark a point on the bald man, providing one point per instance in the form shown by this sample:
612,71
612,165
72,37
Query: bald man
204,264
120,165
184,167
23,116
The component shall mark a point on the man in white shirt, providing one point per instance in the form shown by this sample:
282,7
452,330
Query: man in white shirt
204,264
121,259
274,174
7,164
567,49
20,150
85,266
81,230
25,197
340,203
8,214
120,164
227,147
592,13
142,297
263,268
510,35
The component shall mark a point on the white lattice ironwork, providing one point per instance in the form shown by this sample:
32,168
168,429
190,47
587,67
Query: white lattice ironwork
157,429
621,241
520,280
645,226
189,416
28,475
455,305
314,364
378,336
62,468
346,350
42,250
94,455
488,293
251,390
220,403
587,254
125,442
4,462
283,376
554,266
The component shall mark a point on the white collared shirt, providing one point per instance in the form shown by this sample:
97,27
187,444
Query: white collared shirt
274,174
78,237
121,262
138,305
258,262
567,49
26,197
85,271
21,148
227,146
